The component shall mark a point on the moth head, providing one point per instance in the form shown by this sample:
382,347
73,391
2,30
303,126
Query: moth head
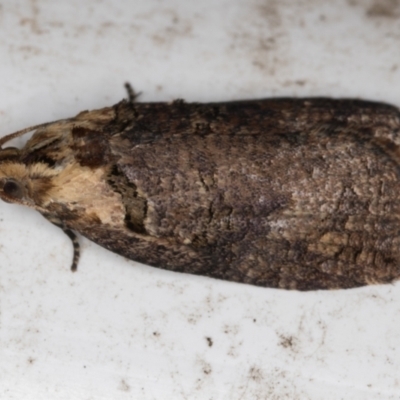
20,182
12,188
17,185
64,164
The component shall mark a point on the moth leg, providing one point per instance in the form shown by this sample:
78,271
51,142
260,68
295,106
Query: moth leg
76,246
132,95
74,240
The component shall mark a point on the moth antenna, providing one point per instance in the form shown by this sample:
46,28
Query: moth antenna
76,246
14,135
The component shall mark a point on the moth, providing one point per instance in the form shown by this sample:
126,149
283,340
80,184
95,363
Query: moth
292,193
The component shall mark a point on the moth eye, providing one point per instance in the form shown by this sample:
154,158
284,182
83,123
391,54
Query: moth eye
13,189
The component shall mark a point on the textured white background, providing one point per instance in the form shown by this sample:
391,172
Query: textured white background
120,330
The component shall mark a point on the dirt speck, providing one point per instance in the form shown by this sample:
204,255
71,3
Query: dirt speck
297,82
33,21
288,342
255,374
231,329
270,11
207,370
193,318
384,9
175,28
209,341
123,385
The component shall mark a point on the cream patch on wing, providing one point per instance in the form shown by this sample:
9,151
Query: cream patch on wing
86,188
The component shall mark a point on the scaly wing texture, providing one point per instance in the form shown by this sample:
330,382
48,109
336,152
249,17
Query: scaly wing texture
298,194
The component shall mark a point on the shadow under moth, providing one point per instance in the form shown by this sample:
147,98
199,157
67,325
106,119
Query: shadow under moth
283,192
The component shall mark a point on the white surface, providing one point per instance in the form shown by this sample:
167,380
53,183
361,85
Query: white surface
120,330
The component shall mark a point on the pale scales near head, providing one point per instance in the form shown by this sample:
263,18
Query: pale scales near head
287,193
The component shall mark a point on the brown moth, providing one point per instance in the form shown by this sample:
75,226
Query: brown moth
286,193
